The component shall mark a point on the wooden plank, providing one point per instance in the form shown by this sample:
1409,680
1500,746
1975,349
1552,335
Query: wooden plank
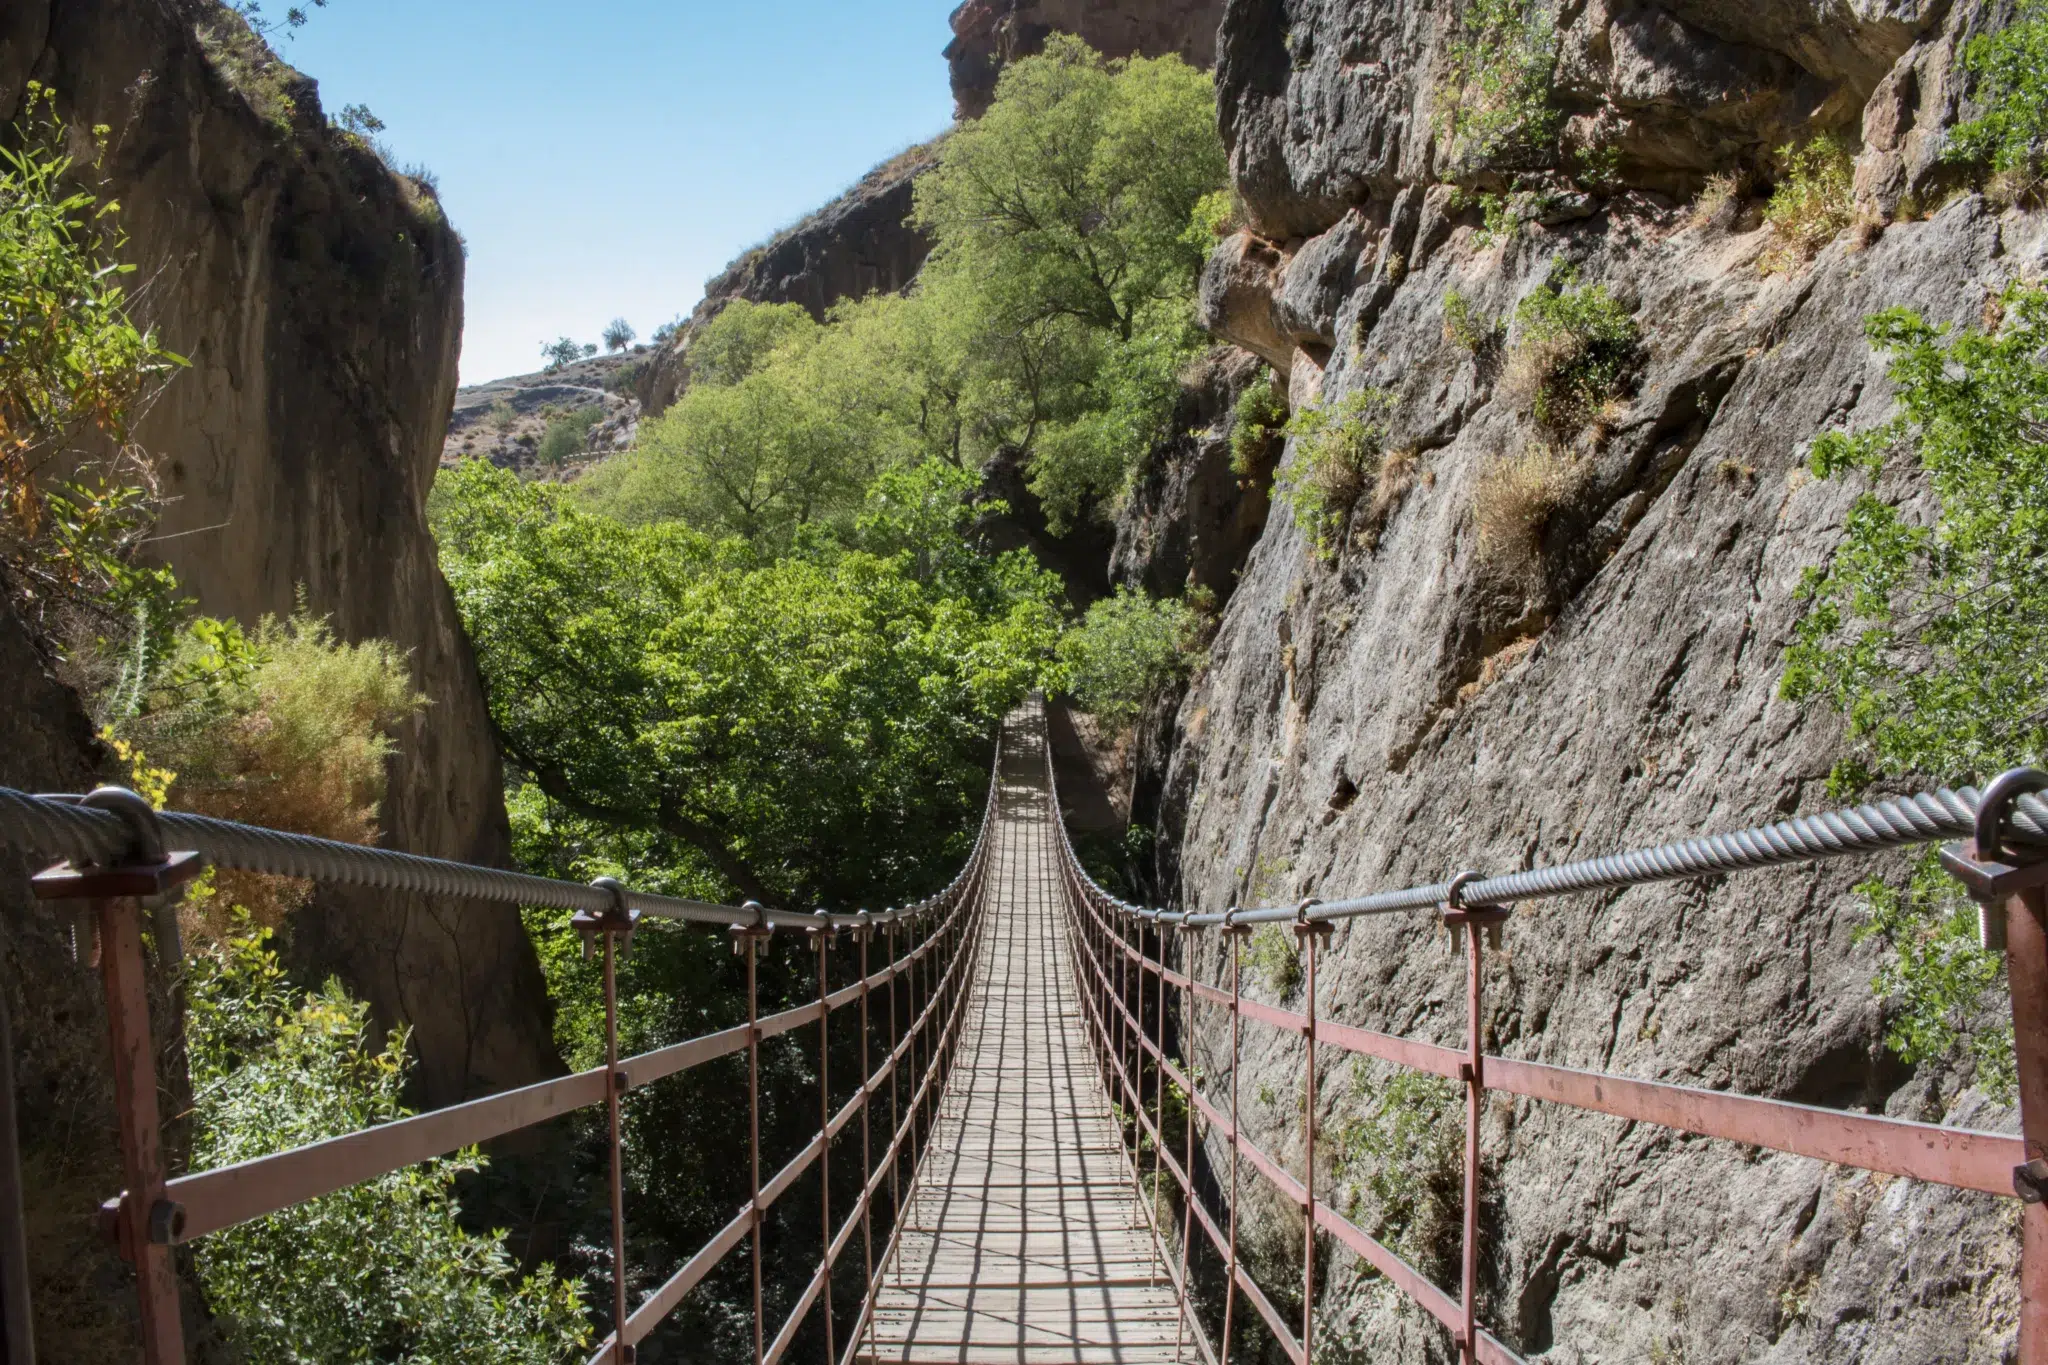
1025,1240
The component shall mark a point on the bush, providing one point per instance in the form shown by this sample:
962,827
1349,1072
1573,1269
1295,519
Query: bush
1465,326
565,435
1258,419
382,1270
1497,95
1815,199
2011,71
1275,959
1402,1156
287,728
1337,451
1127,650
1576,349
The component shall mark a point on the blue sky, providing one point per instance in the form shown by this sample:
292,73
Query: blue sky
605,159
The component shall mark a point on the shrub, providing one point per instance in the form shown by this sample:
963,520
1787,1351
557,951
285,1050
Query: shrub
1259,417
380,1271
1497,93
1715,199
1127,650
287,727
1514,500
503,415
1402,1155
1337,450
1273,959
234,39
1575,352
2011,71
566,433
1815,199
1465,326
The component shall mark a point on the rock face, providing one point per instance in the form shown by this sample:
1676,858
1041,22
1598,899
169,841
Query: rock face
1414,703
319,297
987,34
858,244
502,421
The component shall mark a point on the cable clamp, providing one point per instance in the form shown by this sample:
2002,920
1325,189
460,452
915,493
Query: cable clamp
143,869
1989,870
1456,911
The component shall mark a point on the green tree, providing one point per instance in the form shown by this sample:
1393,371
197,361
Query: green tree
1928,636
382,1271
1062,227
618,334
801,729
1127,650
561,351
2011,70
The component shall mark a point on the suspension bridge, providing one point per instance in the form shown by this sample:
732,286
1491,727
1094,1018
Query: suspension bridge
1043,1176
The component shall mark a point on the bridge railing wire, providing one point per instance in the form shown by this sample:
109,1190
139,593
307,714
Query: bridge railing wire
2003,863
118,851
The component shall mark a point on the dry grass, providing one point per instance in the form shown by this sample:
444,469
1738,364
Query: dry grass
1513,503
1396,478
2018,188
1717,202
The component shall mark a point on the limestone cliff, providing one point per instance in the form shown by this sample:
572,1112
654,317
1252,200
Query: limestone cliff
1404,708
861,243
987,34
319,297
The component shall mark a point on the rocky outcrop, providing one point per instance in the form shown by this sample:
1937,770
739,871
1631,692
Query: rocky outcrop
1414,703
859,244
503,420
988,34
319,298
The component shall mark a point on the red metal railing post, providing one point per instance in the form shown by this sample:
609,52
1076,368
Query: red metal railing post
614,926
751,941
1236,934
867,1155
146,1217
1158,1072
1478,922
2027,975
143,1222
821,937
1311,933
1187,1066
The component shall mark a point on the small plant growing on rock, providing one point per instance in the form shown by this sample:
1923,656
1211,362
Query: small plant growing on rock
1336,455
1465,326
1716,201
1273,959
1814,201
1400,1153
1497,92
1575,353
1258,419
2011,136
1513,503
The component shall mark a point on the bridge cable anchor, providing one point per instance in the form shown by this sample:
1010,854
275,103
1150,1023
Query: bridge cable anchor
1990,871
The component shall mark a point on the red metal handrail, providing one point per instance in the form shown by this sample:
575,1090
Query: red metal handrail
1960,1158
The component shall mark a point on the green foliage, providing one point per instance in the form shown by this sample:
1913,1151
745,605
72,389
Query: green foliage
802,729
1930,638
1947,993
1259,419
565,434
1065,258
382,1271
1127,650
2011,70
743,336
1465,326
252,14
618,334
1274,959
1337,453
1496,99
1401,1153
561,351
1576,349
1815,199
75,373
236,40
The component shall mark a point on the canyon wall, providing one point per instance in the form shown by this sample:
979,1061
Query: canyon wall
318,296
1407,705
987,34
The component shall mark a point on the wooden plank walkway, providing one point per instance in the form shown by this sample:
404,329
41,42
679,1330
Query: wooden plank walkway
1024,1241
